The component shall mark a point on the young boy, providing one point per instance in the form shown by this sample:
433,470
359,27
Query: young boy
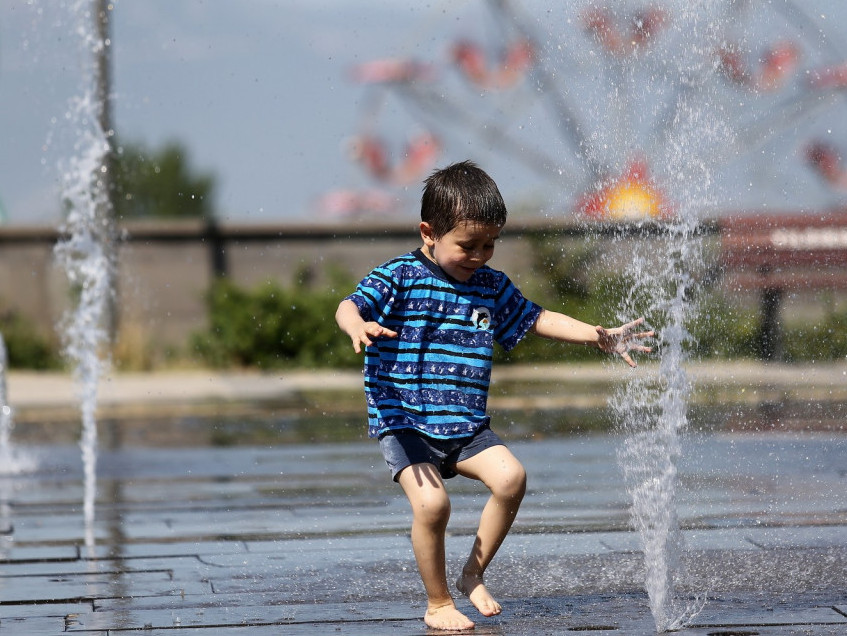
428,321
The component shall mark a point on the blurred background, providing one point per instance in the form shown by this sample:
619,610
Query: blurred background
268,153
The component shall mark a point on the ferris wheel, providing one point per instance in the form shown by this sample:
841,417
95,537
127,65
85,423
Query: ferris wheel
610,110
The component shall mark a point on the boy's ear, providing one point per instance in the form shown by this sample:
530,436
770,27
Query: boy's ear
426,234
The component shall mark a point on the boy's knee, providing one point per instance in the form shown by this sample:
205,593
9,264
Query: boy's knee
434,508
519,481
511,483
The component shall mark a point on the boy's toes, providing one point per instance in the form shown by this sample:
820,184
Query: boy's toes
447,618
477,594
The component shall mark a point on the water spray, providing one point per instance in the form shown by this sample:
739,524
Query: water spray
86,249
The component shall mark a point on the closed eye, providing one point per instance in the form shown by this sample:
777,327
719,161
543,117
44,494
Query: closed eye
471,248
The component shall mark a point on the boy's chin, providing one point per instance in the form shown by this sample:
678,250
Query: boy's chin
463,275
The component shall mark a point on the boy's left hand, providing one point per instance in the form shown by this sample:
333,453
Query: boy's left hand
621,340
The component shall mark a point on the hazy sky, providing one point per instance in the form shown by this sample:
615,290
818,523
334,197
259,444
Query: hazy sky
260,93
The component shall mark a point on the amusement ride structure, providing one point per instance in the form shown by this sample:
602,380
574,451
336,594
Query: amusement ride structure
587,100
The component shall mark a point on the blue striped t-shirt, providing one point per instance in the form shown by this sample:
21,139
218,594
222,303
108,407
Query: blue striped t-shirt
434,376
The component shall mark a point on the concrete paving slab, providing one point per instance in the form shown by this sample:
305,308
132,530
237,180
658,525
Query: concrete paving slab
40,626
178,601
70,587
746,538
290,557
215,616
771,617
33,554
798,537
196,549
767,613
519,545
349,629
716,539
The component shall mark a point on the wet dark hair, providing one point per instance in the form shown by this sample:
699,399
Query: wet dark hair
461,192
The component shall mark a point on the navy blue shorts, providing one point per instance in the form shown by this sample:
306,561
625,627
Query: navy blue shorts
403,448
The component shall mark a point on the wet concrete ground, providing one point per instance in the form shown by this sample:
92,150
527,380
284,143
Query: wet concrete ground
313,539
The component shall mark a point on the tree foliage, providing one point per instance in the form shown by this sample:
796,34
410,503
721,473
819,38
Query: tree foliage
160,184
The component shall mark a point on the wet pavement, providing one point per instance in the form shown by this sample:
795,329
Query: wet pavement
313,539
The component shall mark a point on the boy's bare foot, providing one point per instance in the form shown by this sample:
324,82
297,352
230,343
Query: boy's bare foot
447,617
474,589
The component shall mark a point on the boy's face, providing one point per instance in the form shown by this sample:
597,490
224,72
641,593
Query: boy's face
463,250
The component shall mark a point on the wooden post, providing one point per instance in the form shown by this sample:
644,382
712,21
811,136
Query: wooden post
770,333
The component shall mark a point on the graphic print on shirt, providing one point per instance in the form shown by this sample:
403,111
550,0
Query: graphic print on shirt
481,318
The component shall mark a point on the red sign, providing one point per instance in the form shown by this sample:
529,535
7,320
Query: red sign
785,251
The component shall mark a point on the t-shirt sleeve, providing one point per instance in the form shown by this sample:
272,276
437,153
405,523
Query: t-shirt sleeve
515,315
373,295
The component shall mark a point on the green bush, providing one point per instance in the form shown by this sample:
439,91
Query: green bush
563,283
272,327
824,341
26,348
723,330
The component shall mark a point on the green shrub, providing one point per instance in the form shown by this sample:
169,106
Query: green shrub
271,327
26,348
723,330
824,341
563,283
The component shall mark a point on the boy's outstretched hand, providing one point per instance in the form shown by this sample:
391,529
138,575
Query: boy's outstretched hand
621,340
361,332
367,331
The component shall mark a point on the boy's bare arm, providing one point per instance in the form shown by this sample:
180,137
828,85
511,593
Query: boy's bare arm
360,332
620,340
556,326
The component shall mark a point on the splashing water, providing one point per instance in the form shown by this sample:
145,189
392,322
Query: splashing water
84,255
12,461
5,412
650,409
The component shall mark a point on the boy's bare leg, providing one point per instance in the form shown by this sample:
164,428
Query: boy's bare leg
505,477
430,512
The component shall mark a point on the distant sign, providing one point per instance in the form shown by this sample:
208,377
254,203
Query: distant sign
785,251
809,238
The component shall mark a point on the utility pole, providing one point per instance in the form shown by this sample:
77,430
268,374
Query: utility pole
107,229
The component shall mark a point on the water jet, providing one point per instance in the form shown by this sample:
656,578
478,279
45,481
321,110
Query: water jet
86,251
